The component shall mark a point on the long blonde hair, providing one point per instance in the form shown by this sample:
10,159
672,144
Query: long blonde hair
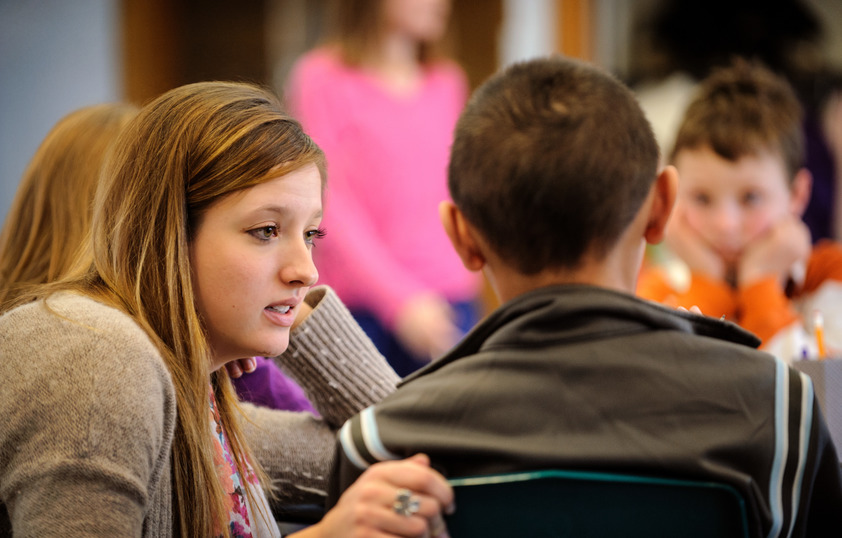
51,211
185,150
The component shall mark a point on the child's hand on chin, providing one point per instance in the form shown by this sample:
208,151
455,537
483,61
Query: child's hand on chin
775,252
693,250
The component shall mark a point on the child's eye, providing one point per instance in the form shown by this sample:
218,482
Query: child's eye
311,235
264,233
751,198
700,198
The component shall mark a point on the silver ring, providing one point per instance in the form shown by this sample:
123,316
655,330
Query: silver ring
406,504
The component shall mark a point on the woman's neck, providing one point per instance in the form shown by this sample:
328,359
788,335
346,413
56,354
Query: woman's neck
395,63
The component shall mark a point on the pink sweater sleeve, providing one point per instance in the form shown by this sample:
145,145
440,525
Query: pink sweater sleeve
370,276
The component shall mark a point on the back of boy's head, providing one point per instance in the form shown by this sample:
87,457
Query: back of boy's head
743,110
552,159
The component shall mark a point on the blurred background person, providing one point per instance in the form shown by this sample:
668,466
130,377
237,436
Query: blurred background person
786,36
737,221
382,102
51,211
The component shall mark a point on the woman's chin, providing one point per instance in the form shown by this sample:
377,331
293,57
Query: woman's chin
273,348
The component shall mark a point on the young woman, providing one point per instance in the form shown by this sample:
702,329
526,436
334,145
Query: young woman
383,106
119,418
51,217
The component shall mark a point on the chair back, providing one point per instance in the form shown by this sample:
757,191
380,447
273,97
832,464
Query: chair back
581,504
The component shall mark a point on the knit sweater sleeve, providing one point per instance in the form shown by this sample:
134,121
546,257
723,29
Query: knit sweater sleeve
88,420
342,373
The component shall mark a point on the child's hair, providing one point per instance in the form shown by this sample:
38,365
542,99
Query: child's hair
184,151
51,212
741,110
357,26
552,159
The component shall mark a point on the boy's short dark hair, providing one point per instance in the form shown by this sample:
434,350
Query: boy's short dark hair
741,110
552,159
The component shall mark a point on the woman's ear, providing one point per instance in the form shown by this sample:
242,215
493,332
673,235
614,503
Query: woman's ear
462,236
663,199
802,186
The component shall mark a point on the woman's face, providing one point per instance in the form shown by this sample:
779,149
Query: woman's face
252,264
422,20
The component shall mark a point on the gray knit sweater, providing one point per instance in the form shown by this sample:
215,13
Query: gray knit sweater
88,415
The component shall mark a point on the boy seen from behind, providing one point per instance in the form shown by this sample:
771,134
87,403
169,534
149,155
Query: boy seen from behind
737,224
556,192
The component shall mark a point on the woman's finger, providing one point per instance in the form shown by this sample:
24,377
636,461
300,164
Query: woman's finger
410,514
415,474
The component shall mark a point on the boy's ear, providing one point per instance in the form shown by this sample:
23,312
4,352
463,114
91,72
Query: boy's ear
663,198
802,185
462,236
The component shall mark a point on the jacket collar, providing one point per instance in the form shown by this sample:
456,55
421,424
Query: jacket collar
576,312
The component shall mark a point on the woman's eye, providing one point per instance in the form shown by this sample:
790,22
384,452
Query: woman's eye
311,235
265,233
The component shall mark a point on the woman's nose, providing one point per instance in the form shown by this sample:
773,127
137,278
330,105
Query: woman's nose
298,268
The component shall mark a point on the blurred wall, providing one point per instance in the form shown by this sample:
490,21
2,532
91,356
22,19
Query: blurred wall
55,56
58,55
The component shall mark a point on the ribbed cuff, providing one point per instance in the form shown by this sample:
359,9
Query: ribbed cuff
334,361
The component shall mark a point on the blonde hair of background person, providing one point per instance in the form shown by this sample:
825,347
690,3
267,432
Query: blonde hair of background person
51,211
188,152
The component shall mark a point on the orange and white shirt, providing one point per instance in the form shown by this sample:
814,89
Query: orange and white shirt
782,318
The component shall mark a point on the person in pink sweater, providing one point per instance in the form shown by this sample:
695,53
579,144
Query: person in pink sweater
383,108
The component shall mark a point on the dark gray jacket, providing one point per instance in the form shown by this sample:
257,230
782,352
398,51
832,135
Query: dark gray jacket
578,377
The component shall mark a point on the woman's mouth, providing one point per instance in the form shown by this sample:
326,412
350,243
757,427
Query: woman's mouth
280,314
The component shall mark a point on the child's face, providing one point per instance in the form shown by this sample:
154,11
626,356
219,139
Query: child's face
730,204
252,264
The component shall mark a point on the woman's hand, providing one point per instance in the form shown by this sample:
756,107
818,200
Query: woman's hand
425,326
371,506
238,367
693,310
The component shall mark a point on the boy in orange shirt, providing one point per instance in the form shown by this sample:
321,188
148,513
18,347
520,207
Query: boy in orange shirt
737,223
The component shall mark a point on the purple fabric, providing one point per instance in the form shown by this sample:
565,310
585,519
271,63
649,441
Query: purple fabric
819,213
268,386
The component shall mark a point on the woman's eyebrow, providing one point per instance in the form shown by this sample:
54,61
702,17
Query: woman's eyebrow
281,210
